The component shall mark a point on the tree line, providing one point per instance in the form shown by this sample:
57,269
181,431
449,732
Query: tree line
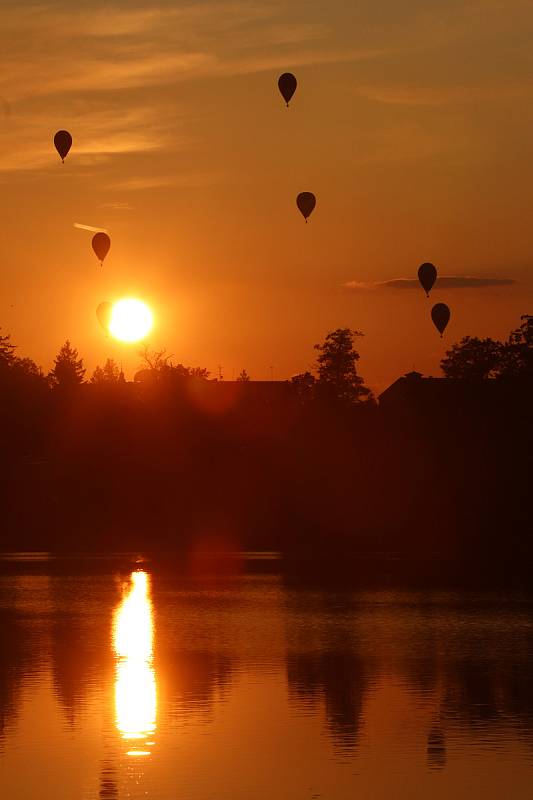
314,466
336,369
335,378
474,358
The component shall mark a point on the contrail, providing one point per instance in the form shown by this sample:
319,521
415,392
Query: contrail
89,228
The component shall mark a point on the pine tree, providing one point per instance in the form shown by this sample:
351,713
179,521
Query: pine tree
109,373
68,369
7,351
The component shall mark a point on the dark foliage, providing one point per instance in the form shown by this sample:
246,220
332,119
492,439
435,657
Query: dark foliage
109,373
68,370
337,370
175,459
474,358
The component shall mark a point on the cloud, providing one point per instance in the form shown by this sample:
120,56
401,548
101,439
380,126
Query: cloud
98,135
412,95
118,206
149,182
197,180
444,282
78,64
135,66
53,51
309,58
116,20
82,227
67,61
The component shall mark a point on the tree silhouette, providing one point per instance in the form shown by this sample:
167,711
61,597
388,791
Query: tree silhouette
18,367
197,372
154,360
473,358
518,353
28,368
486,358
337,372
303,386
18,376
157,365
243,377
68,369
109,373
7,351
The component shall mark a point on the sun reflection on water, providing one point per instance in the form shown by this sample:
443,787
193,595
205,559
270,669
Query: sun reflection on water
135,684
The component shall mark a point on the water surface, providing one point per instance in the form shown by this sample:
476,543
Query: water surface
126,680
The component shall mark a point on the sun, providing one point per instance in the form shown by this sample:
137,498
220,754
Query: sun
131,320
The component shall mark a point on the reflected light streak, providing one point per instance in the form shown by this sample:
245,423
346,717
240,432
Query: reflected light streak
135,683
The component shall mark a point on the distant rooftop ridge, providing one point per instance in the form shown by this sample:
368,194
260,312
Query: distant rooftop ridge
413,385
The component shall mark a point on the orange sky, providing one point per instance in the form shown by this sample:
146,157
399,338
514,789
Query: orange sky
412,124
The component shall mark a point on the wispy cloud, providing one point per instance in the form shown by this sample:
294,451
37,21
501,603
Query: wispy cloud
97,134
76,64
116,20
58,56
149,182
413,95
118,206
196,180
81,50
91,228
444,282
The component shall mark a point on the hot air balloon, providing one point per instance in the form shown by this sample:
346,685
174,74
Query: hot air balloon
103,312
440,314
63,143
427,275
287,85
101,245
306,201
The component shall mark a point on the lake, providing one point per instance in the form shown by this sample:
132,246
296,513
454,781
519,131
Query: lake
120,678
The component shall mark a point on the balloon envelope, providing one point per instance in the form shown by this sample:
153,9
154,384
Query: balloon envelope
306,201
103,312
63,143
427,275
440,314
287,85
101,245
